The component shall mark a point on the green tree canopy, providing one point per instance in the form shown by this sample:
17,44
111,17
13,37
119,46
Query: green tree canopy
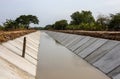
1,27
26,20
76,18
115,22
60,25
10,24
103,20
82,17
49,27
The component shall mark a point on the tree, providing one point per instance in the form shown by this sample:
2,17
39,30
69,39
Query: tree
10,25
49,27
1,27
26,20
60,25
87,17
103,21
83,17
76,18
115,22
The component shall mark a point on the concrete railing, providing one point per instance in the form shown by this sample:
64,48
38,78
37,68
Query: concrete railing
101,53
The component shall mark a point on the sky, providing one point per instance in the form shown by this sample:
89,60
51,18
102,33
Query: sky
50,11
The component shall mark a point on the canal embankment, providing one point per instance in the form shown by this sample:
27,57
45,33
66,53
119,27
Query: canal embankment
13,65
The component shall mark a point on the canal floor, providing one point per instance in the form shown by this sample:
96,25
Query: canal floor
57,62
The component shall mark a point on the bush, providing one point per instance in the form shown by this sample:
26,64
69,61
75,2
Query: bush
115,22
1,27
86,26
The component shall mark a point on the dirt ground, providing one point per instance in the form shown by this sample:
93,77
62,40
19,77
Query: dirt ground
112,35
9,35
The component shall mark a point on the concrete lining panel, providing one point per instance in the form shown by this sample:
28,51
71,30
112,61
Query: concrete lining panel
29,51
92,48
83,41
28,45
62,38
12,48
114,72
97,54
58,37
54,35
77,37
75,42
84,46
34,41
117,76
31,40
70,38
19,45
109,61
17,61
65,39
19,52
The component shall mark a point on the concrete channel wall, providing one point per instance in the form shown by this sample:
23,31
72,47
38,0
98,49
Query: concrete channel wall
13,66
101,53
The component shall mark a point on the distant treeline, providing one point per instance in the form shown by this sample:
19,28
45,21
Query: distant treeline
22,22
84,20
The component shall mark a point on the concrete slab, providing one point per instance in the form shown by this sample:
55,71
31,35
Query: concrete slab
70,39
17,50
65,38
28,45
12,48
9,71
17,61
33,40
92,48
19,45
75,41
33,44
114,72
100,52
80,43
109,61
61,38
117,76
84,46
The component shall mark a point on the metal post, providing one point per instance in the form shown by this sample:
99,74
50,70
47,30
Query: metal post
24,47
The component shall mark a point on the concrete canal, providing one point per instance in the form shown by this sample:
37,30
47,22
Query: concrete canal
57,62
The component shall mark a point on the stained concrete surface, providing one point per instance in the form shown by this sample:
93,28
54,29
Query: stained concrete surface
109,61
88,50
84,46
100,52
12,65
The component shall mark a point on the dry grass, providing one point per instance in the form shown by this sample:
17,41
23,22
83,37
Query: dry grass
9,35
112,35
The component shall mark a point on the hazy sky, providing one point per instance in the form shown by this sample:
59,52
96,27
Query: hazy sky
49,11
